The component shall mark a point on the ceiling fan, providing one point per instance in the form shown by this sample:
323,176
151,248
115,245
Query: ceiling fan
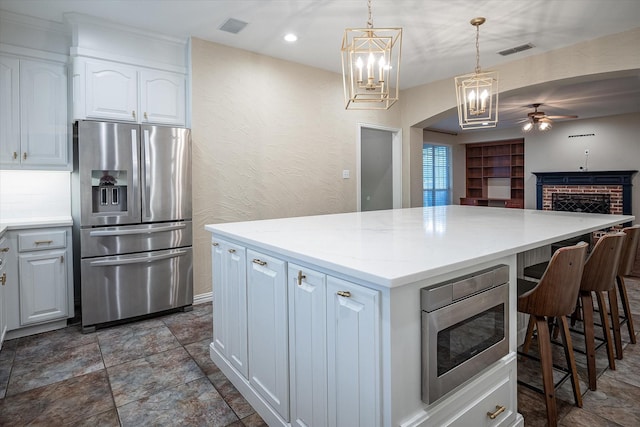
539,120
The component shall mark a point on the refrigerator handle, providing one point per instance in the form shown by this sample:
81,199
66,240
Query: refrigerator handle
115,261
135,155
147,174
100,233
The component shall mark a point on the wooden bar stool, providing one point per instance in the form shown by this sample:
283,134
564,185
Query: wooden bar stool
555,295
627,260
599,276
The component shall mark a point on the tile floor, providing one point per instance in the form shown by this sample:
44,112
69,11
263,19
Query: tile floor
158,372
152,372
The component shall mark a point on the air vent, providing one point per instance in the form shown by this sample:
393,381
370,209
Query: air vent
581,135
233,26
516,49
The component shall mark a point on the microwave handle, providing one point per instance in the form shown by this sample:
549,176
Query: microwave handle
139,260
101,233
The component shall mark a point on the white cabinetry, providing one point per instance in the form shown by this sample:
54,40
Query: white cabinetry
40,297
268,331
307,346
4,281
353,354
116,91
230,302
313,340
33,114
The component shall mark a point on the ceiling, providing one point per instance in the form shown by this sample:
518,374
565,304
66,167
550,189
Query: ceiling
438,40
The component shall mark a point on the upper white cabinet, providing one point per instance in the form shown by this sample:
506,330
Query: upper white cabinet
33,114
115,91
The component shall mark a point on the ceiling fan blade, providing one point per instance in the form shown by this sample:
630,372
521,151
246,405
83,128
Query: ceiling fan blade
561,117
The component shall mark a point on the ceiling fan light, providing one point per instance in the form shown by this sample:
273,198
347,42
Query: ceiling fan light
544,126
527,127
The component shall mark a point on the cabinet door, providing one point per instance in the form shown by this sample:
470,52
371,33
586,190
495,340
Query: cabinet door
307,346
9,111
111,91
43,286
162,97
43,114
230,303
4,248
268,331
353,350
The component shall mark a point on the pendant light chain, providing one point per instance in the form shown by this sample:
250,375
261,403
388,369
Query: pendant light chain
477,49
370,20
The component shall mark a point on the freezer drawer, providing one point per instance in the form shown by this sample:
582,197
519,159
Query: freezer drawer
126,239
120,287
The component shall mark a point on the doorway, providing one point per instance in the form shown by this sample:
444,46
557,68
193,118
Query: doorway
379,167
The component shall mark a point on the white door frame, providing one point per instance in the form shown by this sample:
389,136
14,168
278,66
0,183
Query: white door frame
396,158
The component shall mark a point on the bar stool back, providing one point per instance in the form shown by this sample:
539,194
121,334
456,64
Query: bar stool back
599,276
555,295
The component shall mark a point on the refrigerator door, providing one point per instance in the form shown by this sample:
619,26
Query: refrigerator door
108,169
120,287
165,173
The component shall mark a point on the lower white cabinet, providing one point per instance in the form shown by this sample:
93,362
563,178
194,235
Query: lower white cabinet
313,340
39,288
353,354
43,286
4,249
268,331
230,302
307,346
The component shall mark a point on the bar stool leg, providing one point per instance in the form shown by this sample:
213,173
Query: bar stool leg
529,336
625,307
615,321
589,338
544,342
571,361
604,317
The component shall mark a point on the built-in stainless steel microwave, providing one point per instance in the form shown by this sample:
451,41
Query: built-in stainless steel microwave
465,329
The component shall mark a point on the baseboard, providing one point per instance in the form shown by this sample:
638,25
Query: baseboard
203,298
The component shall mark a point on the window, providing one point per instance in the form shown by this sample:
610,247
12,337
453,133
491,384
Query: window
436,175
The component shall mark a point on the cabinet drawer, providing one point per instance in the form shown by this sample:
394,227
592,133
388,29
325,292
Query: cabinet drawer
41,240
497,396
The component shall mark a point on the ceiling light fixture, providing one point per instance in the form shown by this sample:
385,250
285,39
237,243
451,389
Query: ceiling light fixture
371,66
477,93
290,37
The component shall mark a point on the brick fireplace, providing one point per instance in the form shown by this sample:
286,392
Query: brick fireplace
584,190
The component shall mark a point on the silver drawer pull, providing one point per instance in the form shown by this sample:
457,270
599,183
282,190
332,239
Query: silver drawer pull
257,261
345,294
43,242
494,415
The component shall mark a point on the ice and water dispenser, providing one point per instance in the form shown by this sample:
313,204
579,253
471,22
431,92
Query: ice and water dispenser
109,191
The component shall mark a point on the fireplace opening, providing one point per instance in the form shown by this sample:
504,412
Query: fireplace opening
575,202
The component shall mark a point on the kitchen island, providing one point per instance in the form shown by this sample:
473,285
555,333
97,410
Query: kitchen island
317,320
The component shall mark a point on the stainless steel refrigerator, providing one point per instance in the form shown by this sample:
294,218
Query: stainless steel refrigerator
131,203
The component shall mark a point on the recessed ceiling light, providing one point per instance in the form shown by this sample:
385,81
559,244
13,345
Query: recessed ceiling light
291,37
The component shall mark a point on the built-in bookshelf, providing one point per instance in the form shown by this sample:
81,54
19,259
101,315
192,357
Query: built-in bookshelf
495,174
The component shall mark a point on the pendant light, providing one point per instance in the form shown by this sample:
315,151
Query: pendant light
477,93
371,66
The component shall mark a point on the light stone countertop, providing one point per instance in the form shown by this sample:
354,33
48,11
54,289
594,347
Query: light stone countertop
14,224
396,247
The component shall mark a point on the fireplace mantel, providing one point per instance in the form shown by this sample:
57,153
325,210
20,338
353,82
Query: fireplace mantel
590,178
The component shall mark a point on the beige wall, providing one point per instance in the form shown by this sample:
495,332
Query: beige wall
421,105
271,139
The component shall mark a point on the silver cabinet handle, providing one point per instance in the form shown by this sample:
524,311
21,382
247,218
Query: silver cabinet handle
43,242
3,279
300,277
499,410
101,233
232,251
257,261
345,294
4,249
133,113
216,244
